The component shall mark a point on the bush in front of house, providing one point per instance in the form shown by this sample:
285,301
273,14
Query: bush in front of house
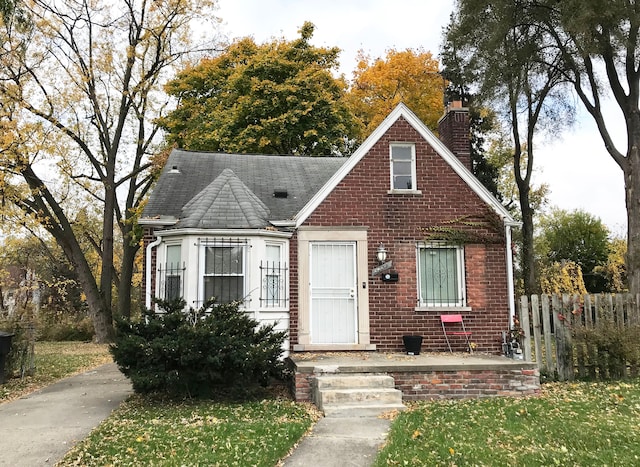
216,350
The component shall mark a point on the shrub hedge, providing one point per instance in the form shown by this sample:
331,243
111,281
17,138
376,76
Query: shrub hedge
197,353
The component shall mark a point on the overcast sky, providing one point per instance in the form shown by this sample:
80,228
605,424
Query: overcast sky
575,164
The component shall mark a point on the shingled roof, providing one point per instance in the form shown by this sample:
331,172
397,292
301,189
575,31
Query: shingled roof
214,190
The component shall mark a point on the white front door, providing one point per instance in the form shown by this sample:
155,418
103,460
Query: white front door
333,293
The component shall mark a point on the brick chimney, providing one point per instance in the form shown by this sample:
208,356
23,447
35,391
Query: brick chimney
454,131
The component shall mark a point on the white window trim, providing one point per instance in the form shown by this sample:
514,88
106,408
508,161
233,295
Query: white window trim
414,178
224,242
461,305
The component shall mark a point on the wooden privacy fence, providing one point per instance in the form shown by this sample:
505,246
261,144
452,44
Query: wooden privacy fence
582,336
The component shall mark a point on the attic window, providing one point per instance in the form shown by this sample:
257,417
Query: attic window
174,170
280,193
403,166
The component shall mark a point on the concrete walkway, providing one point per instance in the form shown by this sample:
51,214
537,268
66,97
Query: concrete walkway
341,442
41,427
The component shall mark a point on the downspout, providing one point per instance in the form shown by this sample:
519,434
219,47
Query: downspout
147,292
510,286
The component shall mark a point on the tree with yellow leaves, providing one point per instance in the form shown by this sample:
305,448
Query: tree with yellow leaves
409,76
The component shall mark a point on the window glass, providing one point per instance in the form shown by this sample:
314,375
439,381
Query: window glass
224,275
173,273
440,271
273,272
402,167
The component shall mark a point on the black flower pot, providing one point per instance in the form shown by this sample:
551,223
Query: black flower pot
412,344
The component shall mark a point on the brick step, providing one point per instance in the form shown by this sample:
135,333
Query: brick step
354,381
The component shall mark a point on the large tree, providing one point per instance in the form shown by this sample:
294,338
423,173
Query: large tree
279,97
79,90
599,44
578,237
489,49
409,76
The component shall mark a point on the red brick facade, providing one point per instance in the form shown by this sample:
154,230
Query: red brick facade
399,221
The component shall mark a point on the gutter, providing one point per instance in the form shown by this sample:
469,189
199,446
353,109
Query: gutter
147,291
510,284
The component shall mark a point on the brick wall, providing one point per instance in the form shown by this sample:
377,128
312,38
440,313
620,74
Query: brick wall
397,221
456,384
446,384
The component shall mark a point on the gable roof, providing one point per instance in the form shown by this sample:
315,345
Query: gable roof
202,182
217,190
402,111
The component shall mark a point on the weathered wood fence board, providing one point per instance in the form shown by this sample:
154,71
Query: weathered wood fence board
564,334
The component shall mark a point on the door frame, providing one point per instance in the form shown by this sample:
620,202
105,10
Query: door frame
337,234
352,257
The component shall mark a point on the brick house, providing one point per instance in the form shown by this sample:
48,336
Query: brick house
344,253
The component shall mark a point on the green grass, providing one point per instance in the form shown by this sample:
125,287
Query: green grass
156,433
569,424
53,361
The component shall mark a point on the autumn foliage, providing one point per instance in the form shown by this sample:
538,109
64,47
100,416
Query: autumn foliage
408,76
279,97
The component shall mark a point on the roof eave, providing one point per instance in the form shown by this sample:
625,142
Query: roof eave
157,221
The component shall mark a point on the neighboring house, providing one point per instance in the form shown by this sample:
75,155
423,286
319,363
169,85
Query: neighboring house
296,239
19,286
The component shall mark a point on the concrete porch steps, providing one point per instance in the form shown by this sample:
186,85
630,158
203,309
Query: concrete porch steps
356,395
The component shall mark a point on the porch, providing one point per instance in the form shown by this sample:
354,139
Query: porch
421,377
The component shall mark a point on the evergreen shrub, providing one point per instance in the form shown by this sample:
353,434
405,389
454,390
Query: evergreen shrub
198,353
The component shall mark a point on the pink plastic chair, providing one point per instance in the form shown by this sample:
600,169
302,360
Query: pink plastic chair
453,325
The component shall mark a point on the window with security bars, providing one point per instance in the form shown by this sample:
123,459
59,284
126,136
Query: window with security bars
224,271
171,274
273,277
441,273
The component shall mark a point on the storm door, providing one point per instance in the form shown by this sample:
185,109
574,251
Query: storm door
333,293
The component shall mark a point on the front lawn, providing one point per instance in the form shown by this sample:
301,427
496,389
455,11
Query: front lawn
150,432
569,424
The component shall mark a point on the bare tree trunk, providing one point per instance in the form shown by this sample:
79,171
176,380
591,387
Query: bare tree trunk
126,277
632,198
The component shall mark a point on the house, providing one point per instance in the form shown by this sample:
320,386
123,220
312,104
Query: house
345,253
19,286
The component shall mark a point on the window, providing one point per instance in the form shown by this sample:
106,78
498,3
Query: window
173,270
224,271
441,275
273,278
403,167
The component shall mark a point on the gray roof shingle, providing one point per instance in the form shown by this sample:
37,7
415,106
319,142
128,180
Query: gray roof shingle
214,190
224,203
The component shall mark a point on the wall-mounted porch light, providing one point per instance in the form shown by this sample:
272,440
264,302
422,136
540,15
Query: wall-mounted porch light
381,254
